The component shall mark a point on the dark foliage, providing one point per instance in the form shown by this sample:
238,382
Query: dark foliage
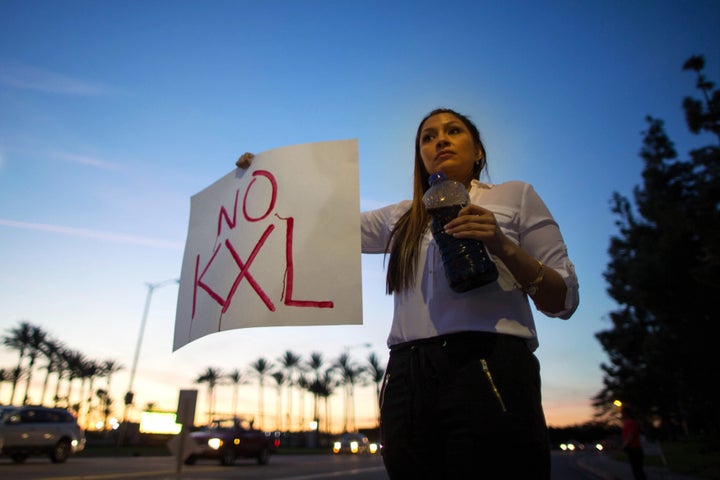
664,273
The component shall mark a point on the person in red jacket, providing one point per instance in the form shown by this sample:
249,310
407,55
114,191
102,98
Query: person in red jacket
631,443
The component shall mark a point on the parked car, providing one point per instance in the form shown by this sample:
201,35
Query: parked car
35,430
354,443
232,438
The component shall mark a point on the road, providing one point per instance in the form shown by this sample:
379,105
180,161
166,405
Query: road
281,467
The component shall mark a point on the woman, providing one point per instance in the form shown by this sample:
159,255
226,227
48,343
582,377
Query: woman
461,396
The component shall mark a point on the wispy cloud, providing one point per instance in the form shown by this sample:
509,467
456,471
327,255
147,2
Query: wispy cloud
33,78
85,160
96,234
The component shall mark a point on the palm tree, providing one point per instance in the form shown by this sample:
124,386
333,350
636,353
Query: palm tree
211,376
62,369
34,350
83,374
280,380
110,367
236,379
303,386
315,363
377,374
261,367
105,402
5,376
19,339
16,374
350,374
91,371
291,363
326,389
74,361
51,351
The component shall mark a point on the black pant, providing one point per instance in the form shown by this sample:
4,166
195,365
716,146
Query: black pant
464,406
636,457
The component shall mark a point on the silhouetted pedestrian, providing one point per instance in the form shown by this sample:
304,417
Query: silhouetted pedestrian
631,444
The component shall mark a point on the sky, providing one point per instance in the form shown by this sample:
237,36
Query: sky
114,113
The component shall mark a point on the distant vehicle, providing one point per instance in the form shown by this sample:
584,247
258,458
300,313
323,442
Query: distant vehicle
35,430
232,438
572,446
354,443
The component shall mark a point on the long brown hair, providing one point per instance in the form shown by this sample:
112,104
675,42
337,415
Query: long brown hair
404,242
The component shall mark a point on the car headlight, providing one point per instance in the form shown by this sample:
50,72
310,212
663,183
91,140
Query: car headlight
215,443
354,446
373,448
336,447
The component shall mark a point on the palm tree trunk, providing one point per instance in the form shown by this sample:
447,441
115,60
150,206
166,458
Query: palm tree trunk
17,371
31,365
328,422
288,421
377,403
346,409
44,387
68,393
212,400
278,407
209,405
316,408
261,409
56,398
302,410
351,412
236,388
88,408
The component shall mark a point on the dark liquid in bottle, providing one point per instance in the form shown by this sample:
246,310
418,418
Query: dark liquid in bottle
467,263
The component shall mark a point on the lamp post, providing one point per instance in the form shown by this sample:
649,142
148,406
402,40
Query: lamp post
129,395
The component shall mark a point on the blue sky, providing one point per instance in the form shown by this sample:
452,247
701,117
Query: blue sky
114,113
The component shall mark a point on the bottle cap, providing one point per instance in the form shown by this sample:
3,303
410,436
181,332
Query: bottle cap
436,177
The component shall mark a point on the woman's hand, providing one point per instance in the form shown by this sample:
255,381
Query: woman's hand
245,160
480,224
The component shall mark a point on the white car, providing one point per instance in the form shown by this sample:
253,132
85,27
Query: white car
35,430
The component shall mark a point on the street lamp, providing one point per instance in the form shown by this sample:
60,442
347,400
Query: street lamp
130,394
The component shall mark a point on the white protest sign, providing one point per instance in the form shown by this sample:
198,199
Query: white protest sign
277,244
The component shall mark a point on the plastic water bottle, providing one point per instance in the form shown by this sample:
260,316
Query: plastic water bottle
467,262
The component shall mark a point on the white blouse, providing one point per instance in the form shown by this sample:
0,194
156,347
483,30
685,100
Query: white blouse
432,308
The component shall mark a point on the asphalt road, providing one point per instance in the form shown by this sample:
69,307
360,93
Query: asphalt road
281,467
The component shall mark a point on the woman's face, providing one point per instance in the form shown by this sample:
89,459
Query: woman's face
447,145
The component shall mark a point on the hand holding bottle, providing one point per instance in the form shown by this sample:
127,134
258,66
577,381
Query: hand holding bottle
476,222
466,260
